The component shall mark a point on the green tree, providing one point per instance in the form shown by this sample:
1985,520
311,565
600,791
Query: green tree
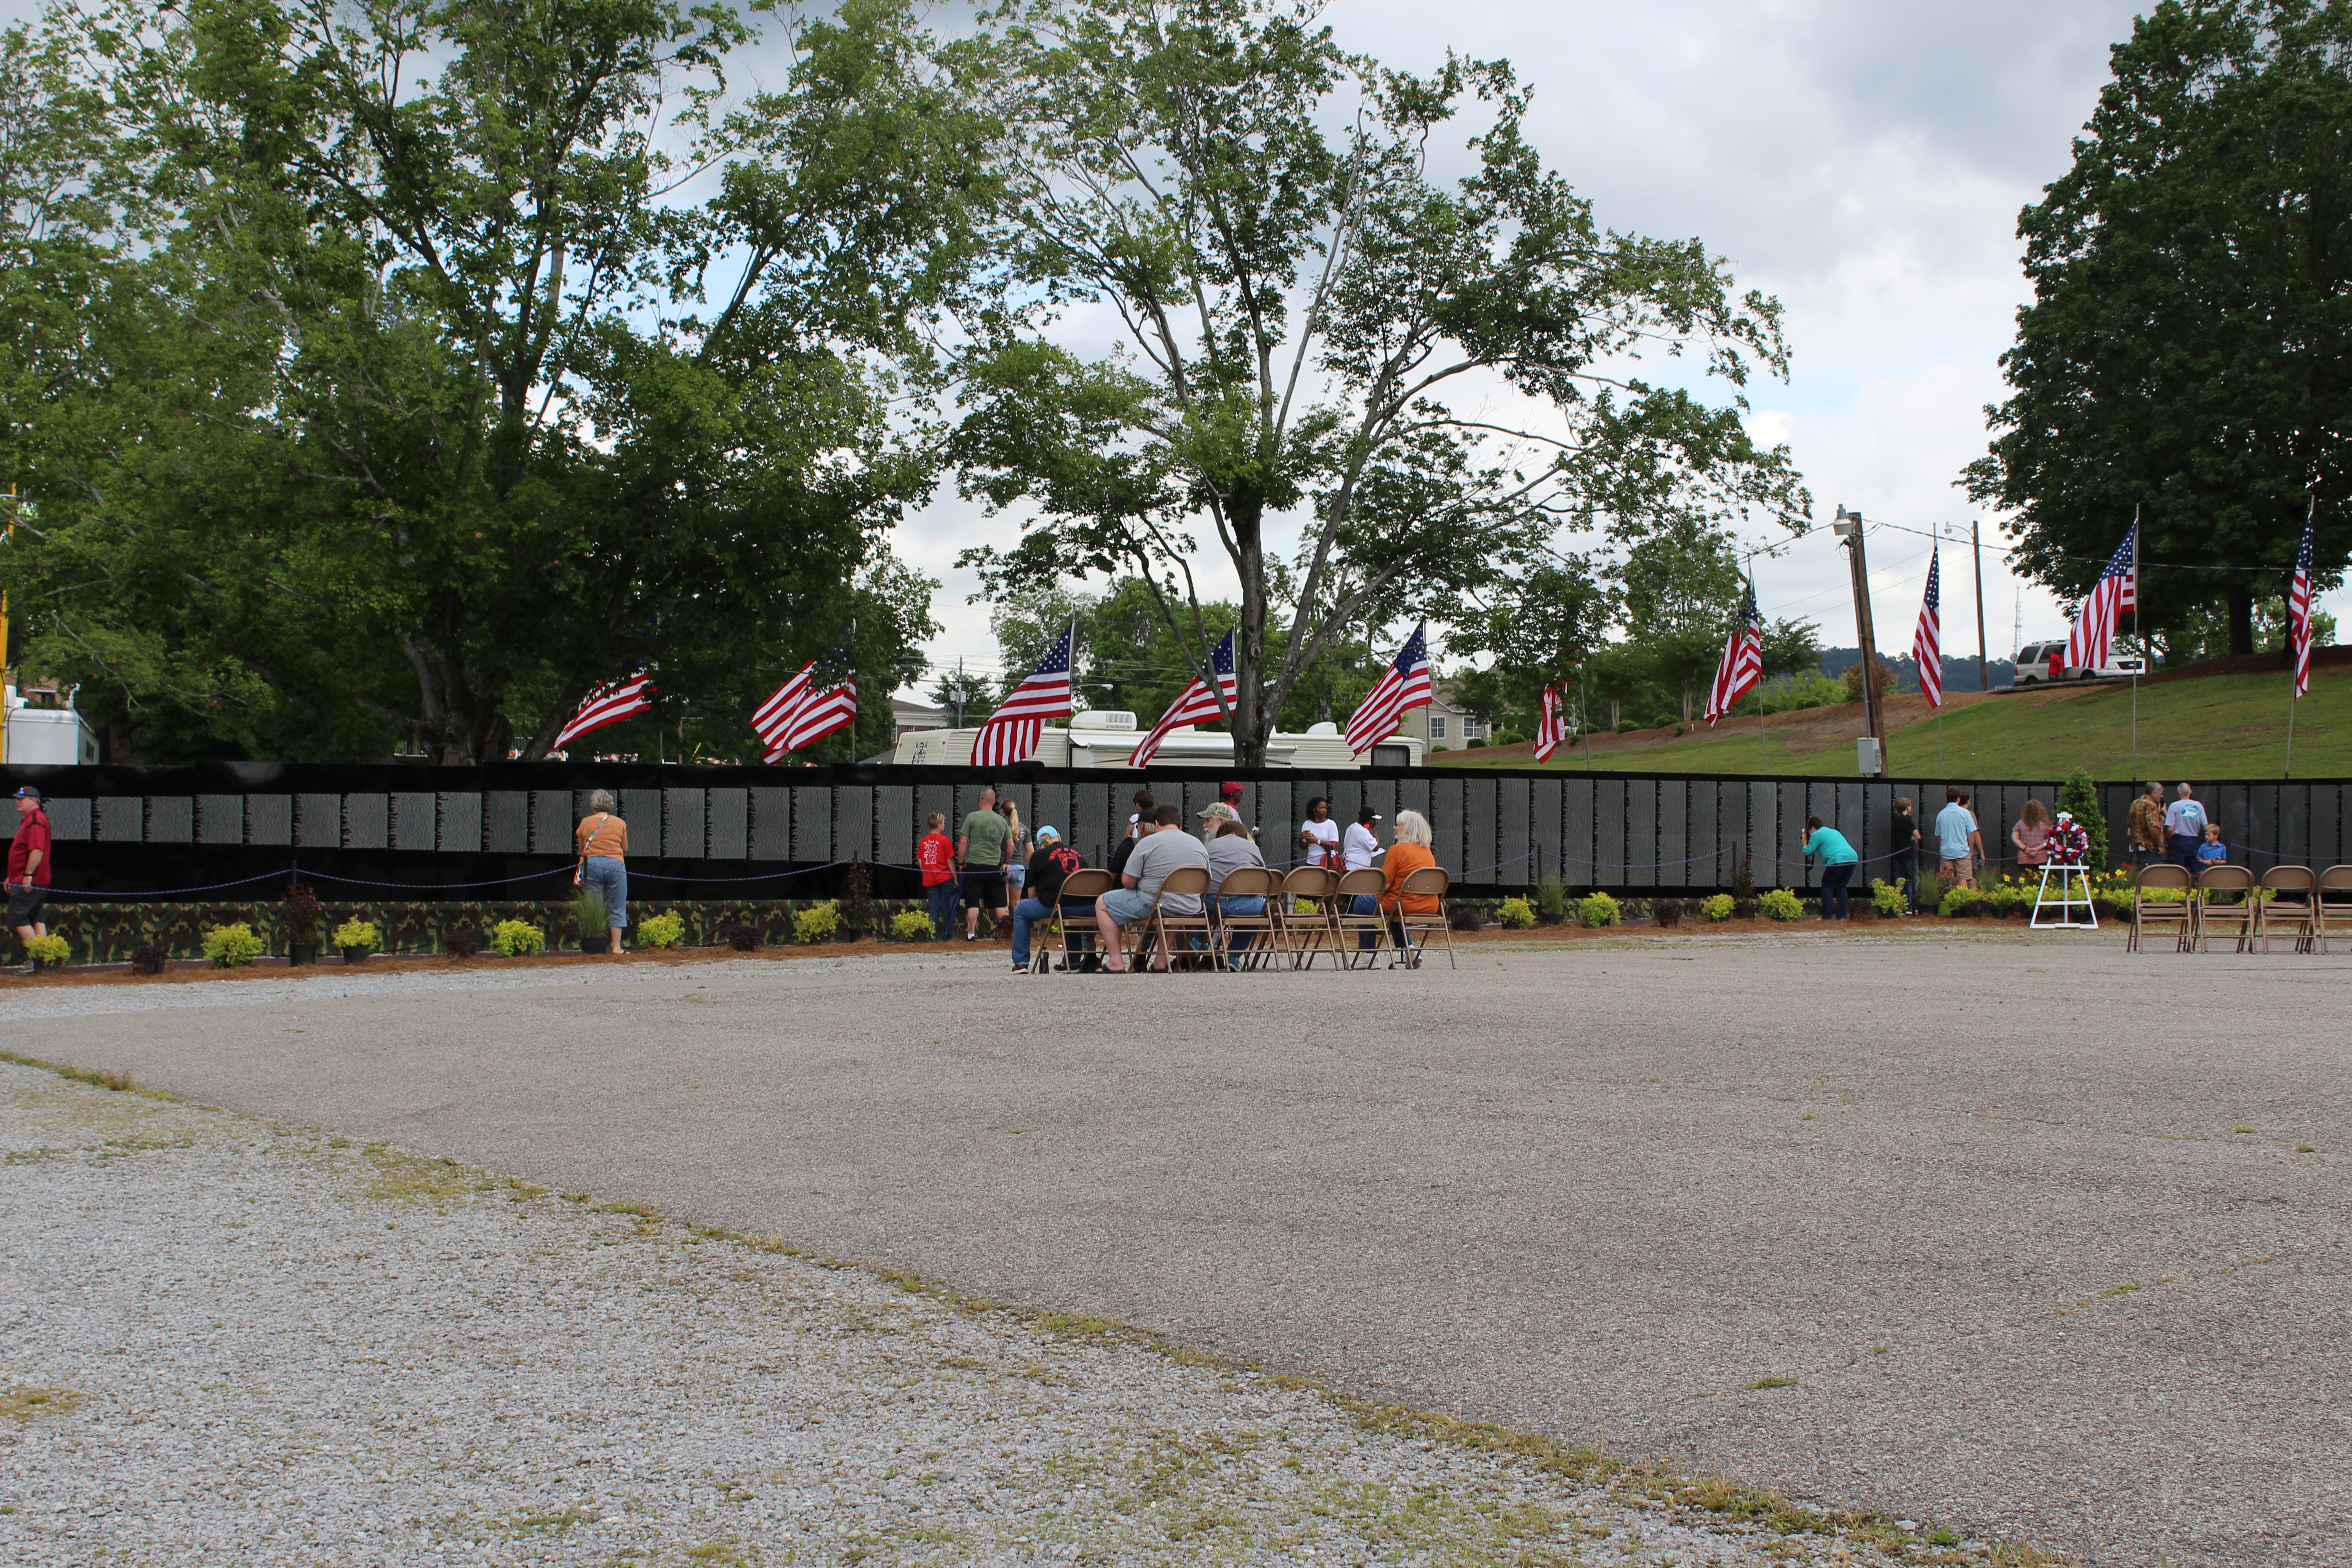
405,395
1313,329
2188,350
2080,795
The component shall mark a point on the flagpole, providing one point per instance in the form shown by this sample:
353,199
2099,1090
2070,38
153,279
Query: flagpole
2141,648
2294,698
1761,683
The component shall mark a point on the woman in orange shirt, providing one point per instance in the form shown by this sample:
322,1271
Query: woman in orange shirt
603,839
1411,852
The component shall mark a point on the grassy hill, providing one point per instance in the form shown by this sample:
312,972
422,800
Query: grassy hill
2204,722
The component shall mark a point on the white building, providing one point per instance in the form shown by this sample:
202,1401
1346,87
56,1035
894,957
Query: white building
42,727
1105,739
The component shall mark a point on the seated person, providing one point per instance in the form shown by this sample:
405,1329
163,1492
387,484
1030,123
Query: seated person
1233,848
1410,853
1160,849
2213,852
1048,869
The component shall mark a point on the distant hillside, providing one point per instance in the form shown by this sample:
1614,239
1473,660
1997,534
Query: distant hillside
1959,674
2224,719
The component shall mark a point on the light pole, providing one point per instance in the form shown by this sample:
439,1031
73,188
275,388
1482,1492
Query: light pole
1848,527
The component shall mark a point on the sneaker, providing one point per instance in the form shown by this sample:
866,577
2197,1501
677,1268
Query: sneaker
971,936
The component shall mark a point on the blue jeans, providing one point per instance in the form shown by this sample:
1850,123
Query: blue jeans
1248,906
1833,900
943,909
1906,866
606,875
1028,912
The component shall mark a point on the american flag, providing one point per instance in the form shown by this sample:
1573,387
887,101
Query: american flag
1927,642
1742,664
1011,732
1551,726
775,714
2102,614
1194,705
2298,608
1404,684
810,706
608,704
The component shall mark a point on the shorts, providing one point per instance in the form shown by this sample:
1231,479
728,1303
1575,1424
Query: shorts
1125,906
25,905
1959,866
985,889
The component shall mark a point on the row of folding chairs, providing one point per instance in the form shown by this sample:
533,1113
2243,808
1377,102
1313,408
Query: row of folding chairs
2298,904
1310,913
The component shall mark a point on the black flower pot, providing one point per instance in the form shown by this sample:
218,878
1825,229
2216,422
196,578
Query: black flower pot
356,954
299,953
600,943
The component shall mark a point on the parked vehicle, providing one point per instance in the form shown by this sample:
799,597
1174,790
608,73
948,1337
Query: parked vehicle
2033,665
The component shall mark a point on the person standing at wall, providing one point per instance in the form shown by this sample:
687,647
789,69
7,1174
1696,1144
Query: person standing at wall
2184,820
28,870
2031,836
1954,828
603,840
1363,845
980,850
1978,858
1904,834
1017,853
1835,853
2144,831
935,857
1318,836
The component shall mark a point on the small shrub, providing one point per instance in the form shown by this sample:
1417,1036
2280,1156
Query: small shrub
1780,904
355,933
461,943
1518,914
1668,911
149,960
1598,909
518,939
1887,897
1552,902
1463,915
664,930
233,946
1309,907
1718,908
301,917
590,916
856,904
47,950
1626,726
817,922
911,925
1958,901
1476,746
746,938
1932,888
1743,881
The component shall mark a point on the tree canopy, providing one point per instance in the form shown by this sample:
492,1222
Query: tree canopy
2187,354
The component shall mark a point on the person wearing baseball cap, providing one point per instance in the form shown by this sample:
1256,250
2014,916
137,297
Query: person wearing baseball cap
1049,868
1229,796
28,870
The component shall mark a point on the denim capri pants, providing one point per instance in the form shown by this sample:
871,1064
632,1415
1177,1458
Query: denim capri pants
608,874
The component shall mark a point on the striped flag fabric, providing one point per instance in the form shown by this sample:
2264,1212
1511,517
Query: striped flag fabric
1551,725
1194,705
1012,732
2298,609
1404,684
836,708
2102,615
1742,664
1927,642
608,704
773,716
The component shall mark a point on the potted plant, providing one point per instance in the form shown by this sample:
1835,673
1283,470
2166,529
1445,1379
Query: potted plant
589,915
357,938
301,920
48,953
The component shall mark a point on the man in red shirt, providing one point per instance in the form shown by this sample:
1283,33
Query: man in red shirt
28,868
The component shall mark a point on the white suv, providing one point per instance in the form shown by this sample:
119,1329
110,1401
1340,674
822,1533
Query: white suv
2033,665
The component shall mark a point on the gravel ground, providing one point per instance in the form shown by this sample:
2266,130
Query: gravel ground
229,1341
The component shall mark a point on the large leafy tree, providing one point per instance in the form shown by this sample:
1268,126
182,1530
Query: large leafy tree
431,361
2187,354
1350,385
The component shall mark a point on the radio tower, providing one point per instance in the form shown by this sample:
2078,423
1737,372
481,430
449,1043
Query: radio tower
2017,627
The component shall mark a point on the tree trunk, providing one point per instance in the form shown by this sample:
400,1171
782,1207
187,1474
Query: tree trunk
1251,720
2241,622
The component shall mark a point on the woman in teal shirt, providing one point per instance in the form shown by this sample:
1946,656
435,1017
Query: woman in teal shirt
1838,860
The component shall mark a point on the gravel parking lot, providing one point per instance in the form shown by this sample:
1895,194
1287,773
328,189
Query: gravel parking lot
2021,1237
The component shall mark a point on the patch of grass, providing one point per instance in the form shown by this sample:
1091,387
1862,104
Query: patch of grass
2124,1289
540,1520
2242,1128
2305,1149
1773,1383
641,1211
25,1402
119,1082
399,1177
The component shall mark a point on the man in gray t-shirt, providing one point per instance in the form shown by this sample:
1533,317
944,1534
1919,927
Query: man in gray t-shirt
1164,848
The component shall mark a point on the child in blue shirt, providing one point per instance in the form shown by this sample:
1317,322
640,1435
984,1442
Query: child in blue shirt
2213,852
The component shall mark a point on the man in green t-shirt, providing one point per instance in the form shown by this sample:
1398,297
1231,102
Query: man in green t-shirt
979,849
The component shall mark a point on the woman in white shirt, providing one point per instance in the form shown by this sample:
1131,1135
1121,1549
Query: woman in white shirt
1363,843
1319,836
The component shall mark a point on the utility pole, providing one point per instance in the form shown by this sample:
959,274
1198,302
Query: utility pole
959,691
1975,556
1848,527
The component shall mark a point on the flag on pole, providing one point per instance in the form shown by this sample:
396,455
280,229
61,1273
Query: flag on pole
2298,611
810,706
1742,664
2117,590
608,704
1404,684
1012,732
773,716
1551,726
1927,642
1194,704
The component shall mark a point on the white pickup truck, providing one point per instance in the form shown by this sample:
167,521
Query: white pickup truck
2033,665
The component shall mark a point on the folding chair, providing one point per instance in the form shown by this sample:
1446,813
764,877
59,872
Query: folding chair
2148,915
2294,903
1250,882
1077,887
1168,925
2335,880
1305,935
2239,917
1428,881
1349,928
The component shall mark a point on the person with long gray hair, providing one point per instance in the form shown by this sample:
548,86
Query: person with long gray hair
603,840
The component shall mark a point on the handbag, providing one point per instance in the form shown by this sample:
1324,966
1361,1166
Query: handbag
581,868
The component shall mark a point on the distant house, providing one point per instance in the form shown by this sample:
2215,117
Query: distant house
1442,723
910,717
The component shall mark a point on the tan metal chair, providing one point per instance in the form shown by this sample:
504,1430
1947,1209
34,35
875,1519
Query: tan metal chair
2294,903
2337,881
1260,948
1428,881
1305,934
1077,887
2151,915
2238,917
1173,931
1348,929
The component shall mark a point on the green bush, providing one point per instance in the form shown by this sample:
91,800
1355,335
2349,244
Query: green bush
1887,897
2080,795
1780,904
664,930
355,933
817,922
1551,901
1718,908
912,925
590,915
233,946
50,948
518,939
1598,909
1932,888
2007,896
1517,913
1626,726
